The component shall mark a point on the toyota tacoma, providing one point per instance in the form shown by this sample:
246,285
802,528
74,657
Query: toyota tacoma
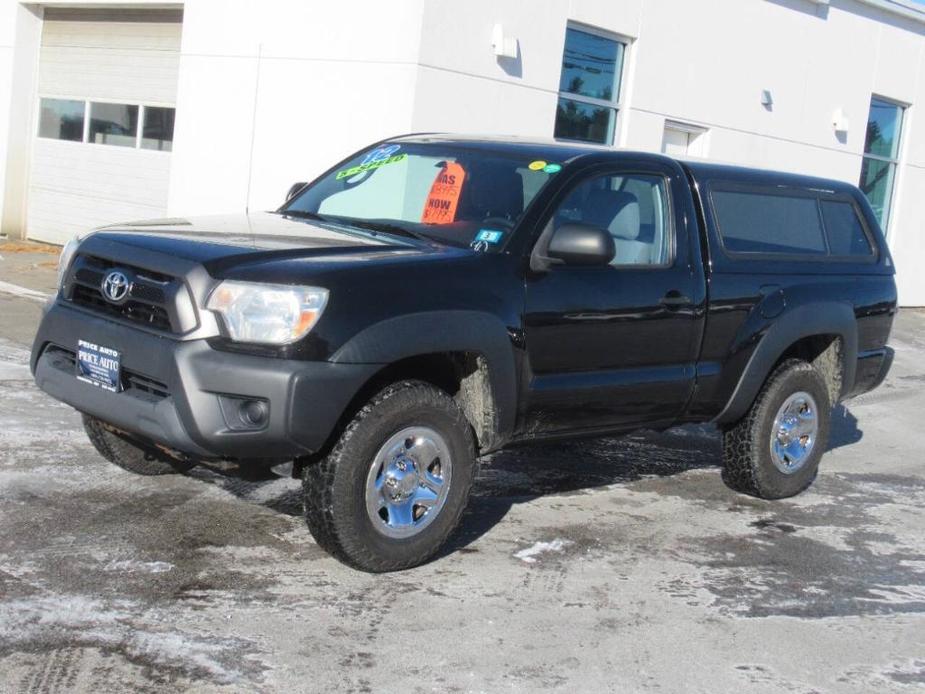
434,298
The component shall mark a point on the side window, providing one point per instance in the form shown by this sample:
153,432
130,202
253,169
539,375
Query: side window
757,222
844,230
632,207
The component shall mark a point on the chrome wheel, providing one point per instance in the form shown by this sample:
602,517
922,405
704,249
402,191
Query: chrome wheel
408,482
793,435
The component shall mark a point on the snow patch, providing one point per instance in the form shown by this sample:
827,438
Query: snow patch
114,625
530,554
134,566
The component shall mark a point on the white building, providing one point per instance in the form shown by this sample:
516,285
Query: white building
130,109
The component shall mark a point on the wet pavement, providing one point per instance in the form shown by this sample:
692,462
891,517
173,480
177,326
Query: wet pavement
604,565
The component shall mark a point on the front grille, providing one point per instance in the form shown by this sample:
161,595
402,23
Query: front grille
136,383
144,292
154,299
136,311
132,380
104,264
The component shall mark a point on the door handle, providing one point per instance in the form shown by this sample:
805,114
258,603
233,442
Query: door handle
674,299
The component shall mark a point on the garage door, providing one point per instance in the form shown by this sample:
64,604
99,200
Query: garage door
104,129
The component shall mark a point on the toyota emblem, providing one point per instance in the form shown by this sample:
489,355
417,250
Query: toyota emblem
115,286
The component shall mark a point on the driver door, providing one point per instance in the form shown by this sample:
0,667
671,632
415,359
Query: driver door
614,346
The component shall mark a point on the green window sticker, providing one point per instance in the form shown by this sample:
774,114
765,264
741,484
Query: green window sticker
375,164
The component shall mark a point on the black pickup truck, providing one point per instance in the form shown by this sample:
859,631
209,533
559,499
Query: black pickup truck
434,298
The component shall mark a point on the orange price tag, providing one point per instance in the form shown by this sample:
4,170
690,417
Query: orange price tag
440,206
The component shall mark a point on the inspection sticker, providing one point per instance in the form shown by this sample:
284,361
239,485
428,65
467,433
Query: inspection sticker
536,165
489,236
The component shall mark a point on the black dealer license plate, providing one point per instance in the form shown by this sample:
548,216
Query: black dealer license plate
98,365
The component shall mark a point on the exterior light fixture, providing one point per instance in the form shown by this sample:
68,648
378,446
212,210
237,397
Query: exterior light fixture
840,121
503,46
766,99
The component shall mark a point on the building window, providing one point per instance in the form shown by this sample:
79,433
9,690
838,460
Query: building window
881,156
682,139
104,123
158,128
113,124
62,119
589,87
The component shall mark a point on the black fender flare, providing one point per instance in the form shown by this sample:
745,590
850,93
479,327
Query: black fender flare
805,320
432,332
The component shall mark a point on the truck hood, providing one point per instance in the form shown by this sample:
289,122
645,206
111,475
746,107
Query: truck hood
224,241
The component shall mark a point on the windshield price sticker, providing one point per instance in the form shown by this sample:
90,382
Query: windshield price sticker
373,160
441,203
380,154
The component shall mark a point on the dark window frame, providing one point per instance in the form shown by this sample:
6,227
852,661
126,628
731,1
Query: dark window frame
781,190
893,162
616,103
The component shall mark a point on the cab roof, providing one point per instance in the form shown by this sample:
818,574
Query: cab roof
701,171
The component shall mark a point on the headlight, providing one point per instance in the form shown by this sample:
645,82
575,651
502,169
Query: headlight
267,313
64,260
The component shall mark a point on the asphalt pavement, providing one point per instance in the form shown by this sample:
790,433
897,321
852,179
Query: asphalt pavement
615,565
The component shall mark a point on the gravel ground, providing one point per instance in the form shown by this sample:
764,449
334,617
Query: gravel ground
608,565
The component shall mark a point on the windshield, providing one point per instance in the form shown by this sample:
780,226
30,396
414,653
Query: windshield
454,194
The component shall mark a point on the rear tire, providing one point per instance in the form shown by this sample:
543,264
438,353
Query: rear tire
377,501
130,456
773,452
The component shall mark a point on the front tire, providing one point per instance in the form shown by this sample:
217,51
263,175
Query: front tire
128,455
396,483
773,452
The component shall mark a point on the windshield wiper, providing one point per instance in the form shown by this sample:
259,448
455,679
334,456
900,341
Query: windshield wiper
305,214
384,227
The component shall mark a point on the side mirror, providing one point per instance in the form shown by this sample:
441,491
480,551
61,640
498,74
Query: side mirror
581,244
296,187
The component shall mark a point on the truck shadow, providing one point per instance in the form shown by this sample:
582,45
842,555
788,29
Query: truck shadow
844,430
523,473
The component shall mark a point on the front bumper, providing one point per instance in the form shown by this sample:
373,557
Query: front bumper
175,389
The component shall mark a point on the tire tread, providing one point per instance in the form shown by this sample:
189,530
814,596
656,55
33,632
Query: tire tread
127,455
743,440
318,481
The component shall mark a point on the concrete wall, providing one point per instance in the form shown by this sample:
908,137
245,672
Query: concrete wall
326,78
704,63
275,91
20,33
